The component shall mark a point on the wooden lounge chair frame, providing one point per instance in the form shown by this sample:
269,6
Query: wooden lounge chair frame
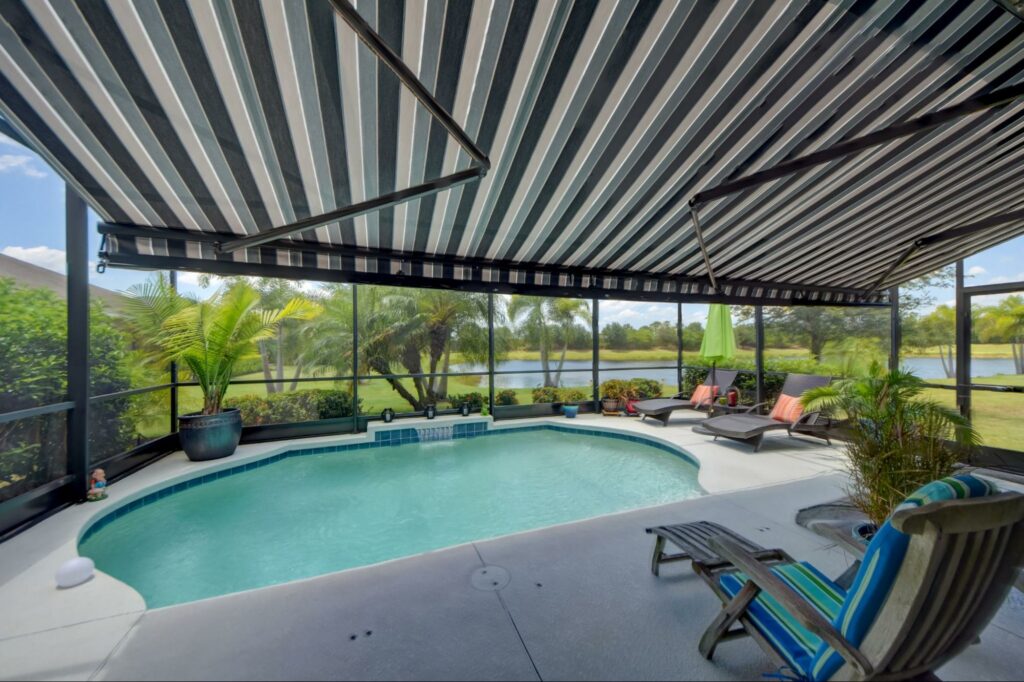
693,539
964,557
750,426
661,409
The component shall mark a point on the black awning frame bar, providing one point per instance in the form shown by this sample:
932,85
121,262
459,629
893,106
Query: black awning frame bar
133,231
376,44
940,237
893,132
228,267
479,167
351,211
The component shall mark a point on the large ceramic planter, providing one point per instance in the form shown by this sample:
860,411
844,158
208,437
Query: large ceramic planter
210,436
610,404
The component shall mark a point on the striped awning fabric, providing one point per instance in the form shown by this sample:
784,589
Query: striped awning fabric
188,124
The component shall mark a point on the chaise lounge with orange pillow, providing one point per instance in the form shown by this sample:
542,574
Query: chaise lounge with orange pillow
787,413
701,398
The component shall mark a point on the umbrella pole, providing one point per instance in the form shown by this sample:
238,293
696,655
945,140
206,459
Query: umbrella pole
711,403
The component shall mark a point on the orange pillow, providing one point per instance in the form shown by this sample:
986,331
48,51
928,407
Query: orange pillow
787,409
703,394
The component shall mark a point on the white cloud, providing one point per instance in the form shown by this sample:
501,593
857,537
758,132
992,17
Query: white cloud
21,163
1003,279
4,140
976,271
43,256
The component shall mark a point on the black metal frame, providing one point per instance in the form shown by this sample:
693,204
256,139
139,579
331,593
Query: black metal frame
858,297
20,512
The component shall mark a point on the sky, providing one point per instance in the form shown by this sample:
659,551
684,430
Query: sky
32,229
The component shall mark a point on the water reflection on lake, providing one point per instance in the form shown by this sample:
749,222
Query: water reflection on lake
577,372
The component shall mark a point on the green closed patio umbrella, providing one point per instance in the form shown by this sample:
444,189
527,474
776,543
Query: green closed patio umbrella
719,342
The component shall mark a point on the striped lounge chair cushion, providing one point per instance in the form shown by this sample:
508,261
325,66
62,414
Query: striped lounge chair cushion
880,567
793,641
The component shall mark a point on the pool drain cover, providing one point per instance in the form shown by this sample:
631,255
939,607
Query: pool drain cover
489,578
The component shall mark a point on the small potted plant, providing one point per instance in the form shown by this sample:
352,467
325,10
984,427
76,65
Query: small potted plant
209,338
614,394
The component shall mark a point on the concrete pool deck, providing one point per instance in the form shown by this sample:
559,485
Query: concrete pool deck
580,602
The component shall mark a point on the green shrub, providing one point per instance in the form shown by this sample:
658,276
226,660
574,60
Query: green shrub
506,396
645,388
746,383
33,345
546,394
897,440
617,389
475,400
294,406
573,395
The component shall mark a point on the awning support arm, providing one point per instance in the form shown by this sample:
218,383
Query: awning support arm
353,210
946,235
703,248
893,132
377,45
477,170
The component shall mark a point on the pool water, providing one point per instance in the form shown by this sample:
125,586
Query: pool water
307,515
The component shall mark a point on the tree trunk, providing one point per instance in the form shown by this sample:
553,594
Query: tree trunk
817,346
544,364
1017,348
561,363
265,359
295,379
442,389
946,356
396,385
280,359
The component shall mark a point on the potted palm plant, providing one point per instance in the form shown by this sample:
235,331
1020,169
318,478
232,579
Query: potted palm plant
896,438
209,338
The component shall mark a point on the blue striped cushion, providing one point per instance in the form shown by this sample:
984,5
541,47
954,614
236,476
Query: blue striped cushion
796,644
878,571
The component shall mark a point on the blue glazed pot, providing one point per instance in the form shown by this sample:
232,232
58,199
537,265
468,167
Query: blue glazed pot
210,436
570,411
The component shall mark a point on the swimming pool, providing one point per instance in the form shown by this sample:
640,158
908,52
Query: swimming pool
313,511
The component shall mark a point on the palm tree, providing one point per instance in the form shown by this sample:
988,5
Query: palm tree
326,347
897,439
550,321
211,337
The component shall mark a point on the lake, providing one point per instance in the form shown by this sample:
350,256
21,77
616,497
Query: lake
577,372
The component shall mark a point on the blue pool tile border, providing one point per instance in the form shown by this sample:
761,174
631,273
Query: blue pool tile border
383,438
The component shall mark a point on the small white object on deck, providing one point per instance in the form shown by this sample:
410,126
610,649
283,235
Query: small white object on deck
75,572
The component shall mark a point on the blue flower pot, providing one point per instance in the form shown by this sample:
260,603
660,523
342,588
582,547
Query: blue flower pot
570,411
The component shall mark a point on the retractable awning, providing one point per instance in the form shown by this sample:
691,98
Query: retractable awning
193,128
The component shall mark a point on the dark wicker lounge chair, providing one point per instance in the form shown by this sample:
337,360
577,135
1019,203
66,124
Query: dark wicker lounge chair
662,408
750,426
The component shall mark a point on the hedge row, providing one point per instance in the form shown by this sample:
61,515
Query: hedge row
294,406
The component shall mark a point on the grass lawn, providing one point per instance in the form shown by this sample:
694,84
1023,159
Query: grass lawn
999,417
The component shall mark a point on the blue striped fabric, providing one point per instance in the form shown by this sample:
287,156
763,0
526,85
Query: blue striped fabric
791,639
882,562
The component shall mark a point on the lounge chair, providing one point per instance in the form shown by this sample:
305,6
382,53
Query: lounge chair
750,427
662,408
930,581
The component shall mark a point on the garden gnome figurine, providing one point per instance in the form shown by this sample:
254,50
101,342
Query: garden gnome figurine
97,486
